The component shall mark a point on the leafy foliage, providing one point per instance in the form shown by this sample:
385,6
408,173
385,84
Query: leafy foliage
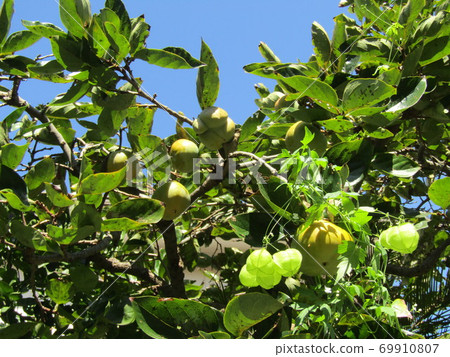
84,253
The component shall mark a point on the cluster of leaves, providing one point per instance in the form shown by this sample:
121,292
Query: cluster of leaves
81,249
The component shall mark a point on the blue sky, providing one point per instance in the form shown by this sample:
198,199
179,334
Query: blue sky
232,29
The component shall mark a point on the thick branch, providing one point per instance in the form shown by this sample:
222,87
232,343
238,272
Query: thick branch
14,100
82,254
115,266
175,267
422,268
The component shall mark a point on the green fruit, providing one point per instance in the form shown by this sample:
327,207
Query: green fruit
296,133
246,278
260,262
121,158
319,247
287,262
176,199
213,117
403,238
183,153
268,281
214,127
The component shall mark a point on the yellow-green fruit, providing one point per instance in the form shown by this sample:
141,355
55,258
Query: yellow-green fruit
121,158
214,127
319,247
183,152
213,117
296,133
176,199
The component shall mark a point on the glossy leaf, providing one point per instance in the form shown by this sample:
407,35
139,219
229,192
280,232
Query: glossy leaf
9,179
281,70
337,125
140,210
59,291
250,126
67,53
354,319
439,192
245,311
12,155
75,92
32,238
102,182
322,93
140,120
396,165
409,92
6,13
119,8
321,43
140,30
373,13
119,43
267,53
170,57
435,50
18,41
43,29
58,198
73,110
75,16
175,318
360,93
207,78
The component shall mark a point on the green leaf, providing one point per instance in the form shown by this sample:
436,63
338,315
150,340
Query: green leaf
435,50
354,319
169,57
245,311
68,236
409,92
253,227
75,92
6,13
214,335
97,38
43,29
322,93
410,12
12,155
281,70
15,201
67,53
395,165
343,152
401,310
109,121
84,215
120,312
360,93
84,279
267,53
59,291
207,78
373,13
74,110
9,179
18,41
58,199
140,30
102,182
119,8
133,214
16,330
32,238
48,71
140,120
172,318
250,126
321,43
337,125
439,192
119,43
75,16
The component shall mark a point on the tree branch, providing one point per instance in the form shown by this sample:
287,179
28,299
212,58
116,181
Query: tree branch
175,267
113,265
11,98
422,268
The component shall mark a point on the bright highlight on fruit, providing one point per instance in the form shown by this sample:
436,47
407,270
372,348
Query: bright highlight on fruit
287,262
183,152
319,247
266,271
403,238
175,197
214,127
